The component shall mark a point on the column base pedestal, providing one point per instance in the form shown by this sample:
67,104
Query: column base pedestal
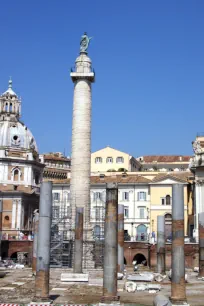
185,304
175,302
110,299
44,301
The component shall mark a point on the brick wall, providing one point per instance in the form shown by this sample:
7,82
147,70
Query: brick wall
150,252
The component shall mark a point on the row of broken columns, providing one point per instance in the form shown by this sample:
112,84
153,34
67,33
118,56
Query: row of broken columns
178,288
114,244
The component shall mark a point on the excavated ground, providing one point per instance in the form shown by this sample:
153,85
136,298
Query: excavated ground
18,287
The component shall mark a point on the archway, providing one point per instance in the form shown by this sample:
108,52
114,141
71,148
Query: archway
140,259
14,256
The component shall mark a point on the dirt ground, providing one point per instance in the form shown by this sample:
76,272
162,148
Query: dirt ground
18,286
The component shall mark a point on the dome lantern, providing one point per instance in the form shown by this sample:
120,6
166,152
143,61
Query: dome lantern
10,104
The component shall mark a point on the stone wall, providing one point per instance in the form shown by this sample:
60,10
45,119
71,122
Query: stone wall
131,249
191,255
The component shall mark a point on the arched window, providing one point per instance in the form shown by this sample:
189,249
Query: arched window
168,216
97,231
119,160
98,160
10,107
6,107
168,200
141,233
6,221
16,175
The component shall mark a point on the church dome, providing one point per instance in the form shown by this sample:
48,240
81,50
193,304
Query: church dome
13,133
16,135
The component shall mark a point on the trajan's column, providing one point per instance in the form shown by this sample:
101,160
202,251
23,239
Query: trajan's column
82,78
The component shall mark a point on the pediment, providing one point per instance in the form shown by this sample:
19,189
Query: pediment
168,180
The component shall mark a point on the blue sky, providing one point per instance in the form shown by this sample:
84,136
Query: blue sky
149,61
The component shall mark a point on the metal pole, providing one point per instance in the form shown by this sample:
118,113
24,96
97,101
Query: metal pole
1,208
111,244
178,286
35,239
43,244
160,244
78,243
201,243
120,238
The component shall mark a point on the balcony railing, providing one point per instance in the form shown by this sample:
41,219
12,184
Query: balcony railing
17,235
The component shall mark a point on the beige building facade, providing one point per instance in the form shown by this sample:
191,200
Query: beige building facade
144,198
109,159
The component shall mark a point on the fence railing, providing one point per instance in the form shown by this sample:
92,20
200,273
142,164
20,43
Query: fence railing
16,235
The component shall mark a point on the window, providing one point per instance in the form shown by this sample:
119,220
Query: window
97,231
55,212
125,196
97,196
67,197
166,200
10,108
98,160
141,196
97,213
69,212
56,196
36,179
141,212
16,175
119,160
126,212
109,160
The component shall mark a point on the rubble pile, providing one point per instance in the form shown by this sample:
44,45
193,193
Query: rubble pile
131,286
10,264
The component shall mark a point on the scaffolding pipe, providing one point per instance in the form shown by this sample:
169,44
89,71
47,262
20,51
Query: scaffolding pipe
178,286
43,244
78,243
120,238
160,244
201,244
35,239
111,244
